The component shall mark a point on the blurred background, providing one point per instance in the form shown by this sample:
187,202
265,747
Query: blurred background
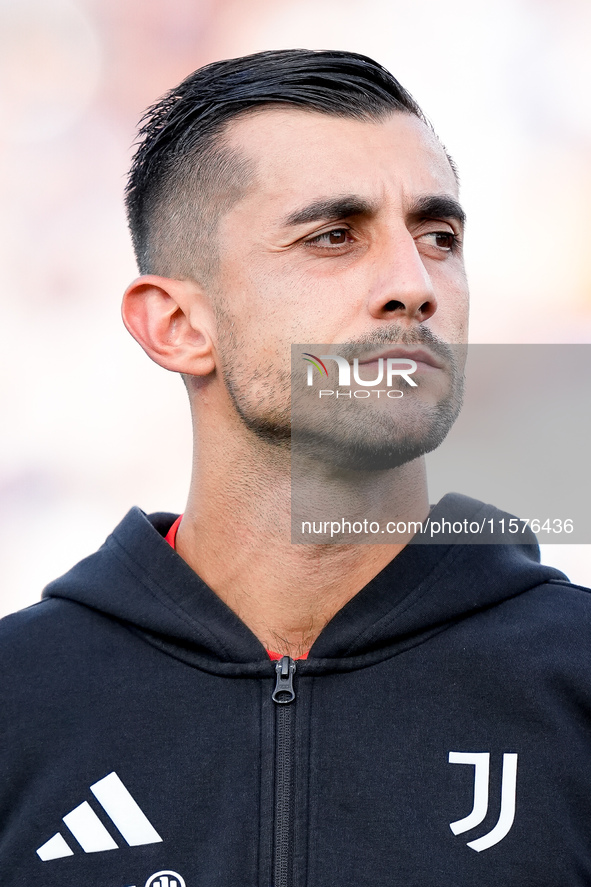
90,426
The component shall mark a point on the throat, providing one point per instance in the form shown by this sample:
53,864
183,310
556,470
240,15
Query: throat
286,597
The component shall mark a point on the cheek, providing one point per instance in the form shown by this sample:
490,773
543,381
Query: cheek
279,309
277,302
451,318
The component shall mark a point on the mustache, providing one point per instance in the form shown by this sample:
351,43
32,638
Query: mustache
397,335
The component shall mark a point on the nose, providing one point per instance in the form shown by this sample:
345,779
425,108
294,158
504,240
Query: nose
402,290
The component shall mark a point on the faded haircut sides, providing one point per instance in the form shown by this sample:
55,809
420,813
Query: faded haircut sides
183,176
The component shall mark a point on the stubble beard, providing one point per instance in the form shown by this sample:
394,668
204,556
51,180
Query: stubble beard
260,395
345,439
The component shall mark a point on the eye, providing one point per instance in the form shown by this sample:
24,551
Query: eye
334,237
445,241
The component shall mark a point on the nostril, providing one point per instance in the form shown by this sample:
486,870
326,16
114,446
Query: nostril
427,310
393,305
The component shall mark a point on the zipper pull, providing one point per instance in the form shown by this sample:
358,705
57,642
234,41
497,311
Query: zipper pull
285,670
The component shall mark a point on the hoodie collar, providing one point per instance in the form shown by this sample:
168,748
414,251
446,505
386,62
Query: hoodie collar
139,580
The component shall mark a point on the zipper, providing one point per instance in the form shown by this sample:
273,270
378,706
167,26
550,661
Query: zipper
283,697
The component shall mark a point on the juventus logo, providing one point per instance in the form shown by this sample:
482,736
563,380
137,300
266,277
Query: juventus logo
481,763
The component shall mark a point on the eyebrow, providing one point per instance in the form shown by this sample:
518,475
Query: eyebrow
437,206
331,209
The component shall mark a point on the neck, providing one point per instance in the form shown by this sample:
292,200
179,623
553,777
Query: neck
236,533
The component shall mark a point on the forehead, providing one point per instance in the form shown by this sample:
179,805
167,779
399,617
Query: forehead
298,154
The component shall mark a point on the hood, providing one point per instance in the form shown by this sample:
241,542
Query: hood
139,580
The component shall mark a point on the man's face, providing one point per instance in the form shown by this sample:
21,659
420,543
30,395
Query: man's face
348,233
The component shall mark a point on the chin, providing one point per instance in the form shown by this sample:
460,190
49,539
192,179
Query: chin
375,440
364,455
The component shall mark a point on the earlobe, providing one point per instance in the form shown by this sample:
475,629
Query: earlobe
172,321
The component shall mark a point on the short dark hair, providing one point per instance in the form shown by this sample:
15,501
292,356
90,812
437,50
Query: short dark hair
182,176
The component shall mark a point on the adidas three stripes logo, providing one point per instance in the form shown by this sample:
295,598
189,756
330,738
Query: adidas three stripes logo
89,831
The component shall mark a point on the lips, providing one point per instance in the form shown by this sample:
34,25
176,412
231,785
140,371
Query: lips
419,355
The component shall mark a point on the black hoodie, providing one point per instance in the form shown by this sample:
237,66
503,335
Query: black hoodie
439,735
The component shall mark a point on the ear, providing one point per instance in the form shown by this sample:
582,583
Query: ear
173,322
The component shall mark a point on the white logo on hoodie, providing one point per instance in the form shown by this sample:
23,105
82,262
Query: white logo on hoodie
481,763
89,831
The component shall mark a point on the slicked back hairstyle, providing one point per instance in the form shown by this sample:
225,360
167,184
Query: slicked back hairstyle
183,176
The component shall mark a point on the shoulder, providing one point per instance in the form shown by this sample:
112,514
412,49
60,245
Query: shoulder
53,644
558,601
42,626
547,625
